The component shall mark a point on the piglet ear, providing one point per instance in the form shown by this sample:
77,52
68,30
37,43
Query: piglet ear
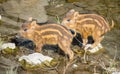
76,15
30,19
71,12
33,23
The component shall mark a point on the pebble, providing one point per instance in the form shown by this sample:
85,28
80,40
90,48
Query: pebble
75,66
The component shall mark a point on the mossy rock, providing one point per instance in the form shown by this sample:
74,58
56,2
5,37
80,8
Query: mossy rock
1,1
45,64
9,51
97,52
71,1
0,22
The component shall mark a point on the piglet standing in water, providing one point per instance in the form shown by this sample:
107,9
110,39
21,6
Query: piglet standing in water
52,34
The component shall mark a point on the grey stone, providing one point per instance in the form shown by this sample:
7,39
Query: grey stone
26,8
9,65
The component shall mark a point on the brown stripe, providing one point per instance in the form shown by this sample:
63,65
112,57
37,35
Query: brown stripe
103,21
95,17
47,33
60,28
89,23
49,36
91,20
50,30
54,26
50,33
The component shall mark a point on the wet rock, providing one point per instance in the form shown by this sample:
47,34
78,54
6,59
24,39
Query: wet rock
10,22
35,58
92,3
24,9
56,2
116,18
1,1
8,48
92,8
37,61
81,72
9,65
56,11
15,12
78,4
86,12
6,31
111,42
71,1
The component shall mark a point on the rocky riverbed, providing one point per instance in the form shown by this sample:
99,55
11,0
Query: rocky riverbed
14,13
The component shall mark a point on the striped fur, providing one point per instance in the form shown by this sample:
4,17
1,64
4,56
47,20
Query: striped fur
87,25
52,34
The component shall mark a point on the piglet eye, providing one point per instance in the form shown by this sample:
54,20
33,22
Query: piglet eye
68,20
25,29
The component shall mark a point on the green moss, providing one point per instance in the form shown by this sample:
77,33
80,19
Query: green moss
45,64
28,66
1,1
97,52
1,42
71,1
0,22
9,51
117,26
54,62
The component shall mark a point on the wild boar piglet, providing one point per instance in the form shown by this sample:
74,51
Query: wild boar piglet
51,34
87,25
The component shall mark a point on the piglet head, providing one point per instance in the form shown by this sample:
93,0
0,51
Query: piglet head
70,19
27,29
